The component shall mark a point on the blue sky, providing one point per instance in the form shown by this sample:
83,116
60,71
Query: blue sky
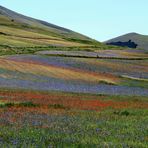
99,19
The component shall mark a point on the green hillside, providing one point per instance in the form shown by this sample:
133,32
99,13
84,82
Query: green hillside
21,34
141,40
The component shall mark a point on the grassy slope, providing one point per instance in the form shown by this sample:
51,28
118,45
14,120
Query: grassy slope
21,34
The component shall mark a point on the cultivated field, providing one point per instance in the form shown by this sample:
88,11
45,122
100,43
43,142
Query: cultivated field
56,101
97,76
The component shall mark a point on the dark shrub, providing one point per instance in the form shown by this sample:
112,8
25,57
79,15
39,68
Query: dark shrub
28,104
125,113
57,106
122,113
7,105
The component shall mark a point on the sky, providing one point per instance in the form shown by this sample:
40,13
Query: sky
98,19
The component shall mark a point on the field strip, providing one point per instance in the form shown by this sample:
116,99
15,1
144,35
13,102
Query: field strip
98,54
134,78
57,72
117,66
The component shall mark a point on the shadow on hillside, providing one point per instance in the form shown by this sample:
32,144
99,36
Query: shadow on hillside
129,44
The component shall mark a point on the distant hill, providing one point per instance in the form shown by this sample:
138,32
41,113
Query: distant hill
134,38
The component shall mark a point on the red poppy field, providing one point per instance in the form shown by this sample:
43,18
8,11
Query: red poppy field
66,119
71,101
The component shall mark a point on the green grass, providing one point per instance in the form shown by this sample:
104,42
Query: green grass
27,104
57,106
11,50
134,83
8,104
17,104
87,129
